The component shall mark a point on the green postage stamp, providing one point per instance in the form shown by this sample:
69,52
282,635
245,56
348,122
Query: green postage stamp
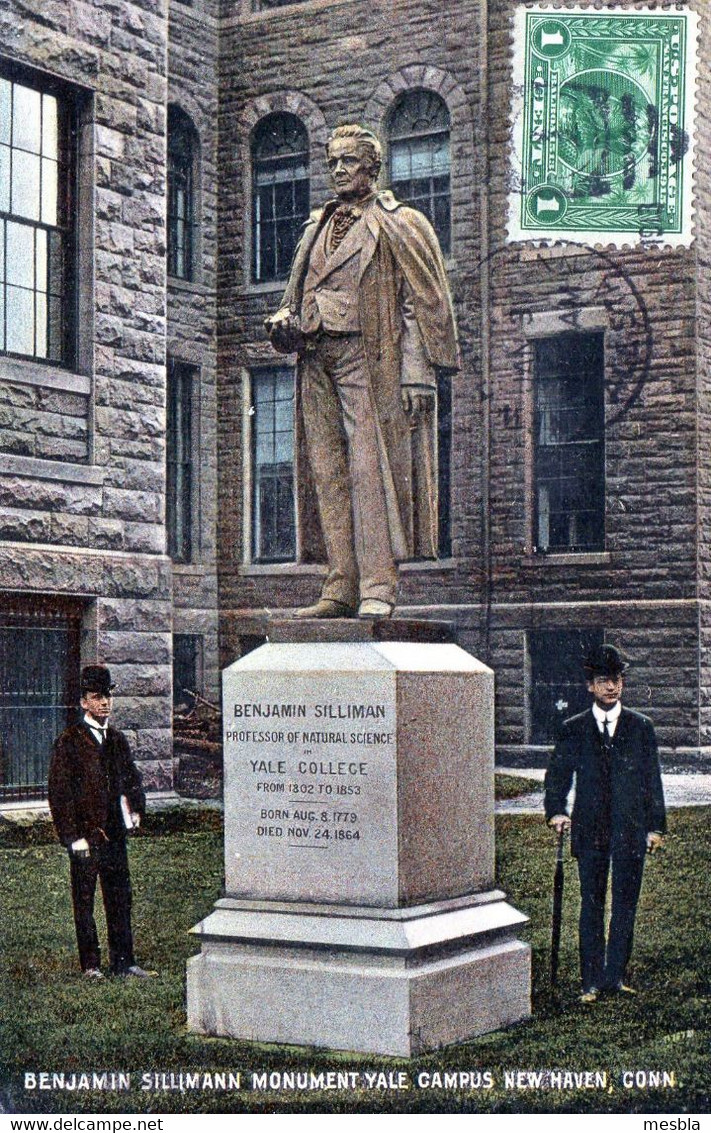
603,122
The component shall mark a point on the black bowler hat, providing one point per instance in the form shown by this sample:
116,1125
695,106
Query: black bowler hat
604,661
96,678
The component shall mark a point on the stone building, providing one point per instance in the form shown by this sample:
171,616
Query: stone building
157,158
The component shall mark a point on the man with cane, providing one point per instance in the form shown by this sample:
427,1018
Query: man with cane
618,816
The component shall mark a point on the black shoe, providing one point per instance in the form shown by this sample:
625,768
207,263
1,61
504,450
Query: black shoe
622,989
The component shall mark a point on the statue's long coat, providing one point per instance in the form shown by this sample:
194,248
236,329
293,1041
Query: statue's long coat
400,242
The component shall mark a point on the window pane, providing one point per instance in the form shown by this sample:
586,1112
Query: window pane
274,525
399,162
41,324
25,184
421,161
49,191
265,200
20,254
20,321
283,447
4,179
185,651
265,449
181,201
5,111
179,461
50,127
41,260
26,118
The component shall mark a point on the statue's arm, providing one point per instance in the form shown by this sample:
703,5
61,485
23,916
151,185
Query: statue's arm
283,327
418,379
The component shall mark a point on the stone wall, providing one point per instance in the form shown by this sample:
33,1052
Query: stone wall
83,479
192,86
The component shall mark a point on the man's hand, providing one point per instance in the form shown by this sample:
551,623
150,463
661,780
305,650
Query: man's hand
80,848
417,400
135,819
655,841
284,330
560,823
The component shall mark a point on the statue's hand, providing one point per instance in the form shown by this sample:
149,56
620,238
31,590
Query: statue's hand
284,330
417,400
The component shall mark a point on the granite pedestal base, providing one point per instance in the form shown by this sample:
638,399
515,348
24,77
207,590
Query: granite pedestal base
394,982
360,909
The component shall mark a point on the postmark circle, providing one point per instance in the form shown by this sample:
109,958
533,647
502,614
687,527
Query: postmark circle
627,323
605,121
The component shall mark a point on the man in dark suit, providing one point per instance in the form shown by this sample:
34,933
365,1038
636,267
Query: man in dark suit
618,816
95,796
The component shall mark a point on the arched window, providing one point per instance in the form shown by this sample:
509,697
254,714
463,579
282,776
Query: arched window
418,145
280,193
182,154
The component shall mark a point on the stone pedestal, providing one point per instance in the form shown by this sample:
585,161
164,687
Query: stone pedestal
360,912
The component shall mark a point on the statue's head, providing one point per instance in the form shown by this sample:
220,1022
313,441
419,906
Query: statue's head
354,159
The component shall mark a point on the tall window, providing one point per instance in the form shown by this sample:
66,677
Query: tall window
273,511
36,208
569,443
418,145
558,687
280,192
180,461
182,149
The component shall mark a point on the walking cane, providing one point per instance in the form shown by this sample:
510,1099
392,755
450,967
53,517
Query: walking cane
557,907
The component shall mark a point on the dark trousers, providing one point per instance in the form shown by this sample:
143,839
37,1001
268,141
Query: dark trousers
602,966
108,863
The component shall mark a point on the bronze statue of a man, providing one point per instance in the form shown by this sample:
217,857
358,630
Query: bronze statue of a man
368,310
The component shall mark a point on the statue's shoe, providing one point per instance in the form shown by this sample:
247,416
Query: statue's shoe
375,608
326,608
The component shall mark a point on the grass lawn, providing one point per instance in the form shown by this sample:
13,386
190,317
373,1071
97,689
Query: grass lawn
512,786
53,1021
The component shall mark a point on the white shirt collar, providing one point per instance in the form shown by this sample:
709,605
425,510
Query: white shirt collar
611,714
94,724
